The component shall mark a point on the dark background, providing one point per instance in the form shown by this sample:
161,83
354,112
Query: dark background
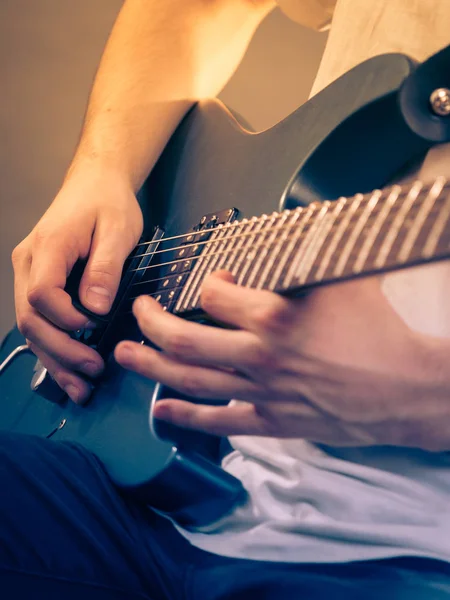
49,50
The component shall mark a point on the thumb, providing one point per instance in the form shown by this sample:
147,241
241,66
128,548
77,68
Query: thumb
111,244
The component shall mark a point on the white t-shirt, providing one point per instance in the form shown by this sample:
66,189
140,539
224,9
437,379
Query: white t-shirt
310,503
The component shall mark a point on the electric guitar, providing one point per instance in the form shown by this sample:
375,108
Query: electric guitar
213,196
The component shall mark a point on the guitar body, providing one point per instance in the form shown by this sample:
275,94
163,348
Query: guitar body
211,165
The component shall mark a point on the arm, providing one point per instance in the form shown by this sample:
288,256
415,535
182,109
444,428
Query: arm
160,58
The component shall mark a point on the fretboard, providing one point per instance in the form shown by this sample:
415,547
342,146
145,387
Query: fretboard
327,242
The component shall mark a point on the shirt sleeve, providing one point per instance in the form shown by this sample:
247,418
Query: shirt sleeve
315,14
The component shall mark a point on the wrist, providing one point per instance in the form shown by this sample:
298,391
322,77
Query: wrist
99,167
430,396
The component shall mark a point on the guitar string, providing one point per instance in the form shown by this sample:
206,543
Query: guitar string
225,239
228,226
235,223
151,281
225,228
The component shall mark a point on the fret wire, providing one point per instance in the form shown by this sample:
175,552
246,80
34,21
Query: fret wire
437,229
420,218
354,234
175,237
267,267
226,259
261,242
215,265
216,256
326,258
284,253
305,248
243,271
228,252
352,209
394,227
228,266
275,253
334,242
186,291
438,210
228,226
157,266
242,246
309,239
329,242
369,266
235,225
318,241
377,226
297,254
268,235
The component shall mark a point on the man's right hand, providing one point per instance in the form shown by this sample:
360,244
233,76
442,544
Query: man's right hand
94,217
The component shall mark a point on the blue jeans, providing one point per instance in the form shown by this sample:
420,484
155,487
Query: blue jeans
66,533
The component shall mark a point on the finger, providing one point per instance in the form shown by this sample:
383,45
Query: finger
111,244
194,342
195,381
56,343
75,387
246,308
247,419
240,419
40,283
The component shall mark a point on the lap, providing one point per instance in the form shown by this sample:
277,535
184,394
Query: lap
67,533
63,519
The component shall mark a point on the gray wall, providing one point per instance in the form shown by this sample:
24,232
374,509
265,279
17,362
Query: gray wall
48,54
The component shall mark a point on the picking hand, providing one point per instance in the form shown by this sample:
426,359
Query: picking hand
95,218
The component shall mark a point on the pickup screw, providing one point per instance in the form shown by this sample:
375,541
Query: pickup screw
440,102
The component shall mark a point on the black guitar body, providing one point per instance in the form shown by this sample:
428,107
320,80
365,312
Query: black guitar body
210,166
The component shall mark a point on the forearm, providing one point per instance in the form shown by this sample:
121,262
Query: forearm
161,57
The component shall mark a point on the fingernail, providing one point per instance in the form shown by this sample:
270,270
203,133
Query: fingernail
98,297
125,354
73,392
162,412
91,368
140,302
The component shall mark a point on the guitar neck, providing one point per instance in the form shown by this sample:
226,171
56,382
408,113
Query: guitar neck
328,242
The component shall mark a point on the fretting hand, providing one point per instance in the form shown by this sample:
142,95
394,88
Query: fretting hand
338,366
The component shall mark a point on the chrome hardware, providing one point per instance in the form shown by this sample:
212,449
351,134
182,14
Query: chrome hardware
43,384
13,355
60,426
40,373
440,102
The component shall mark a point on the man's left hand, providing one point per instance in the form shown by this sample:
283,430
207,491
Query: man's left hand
338,366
